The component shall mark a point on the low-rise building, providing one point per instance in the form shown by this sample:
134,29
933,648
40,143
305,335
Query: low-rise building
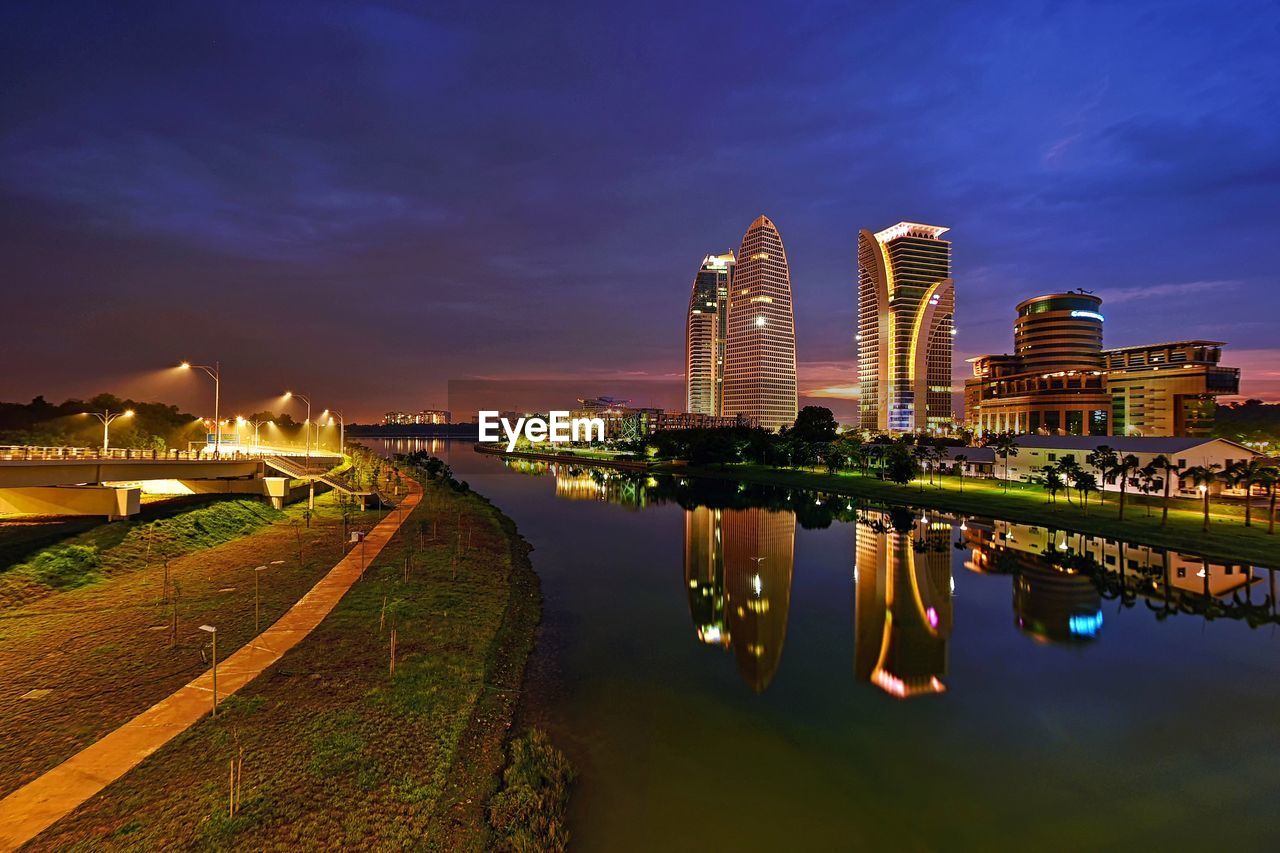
1037,451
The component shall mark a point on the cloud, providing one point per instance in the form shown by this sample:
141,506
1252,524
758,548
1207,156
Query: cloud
1153,291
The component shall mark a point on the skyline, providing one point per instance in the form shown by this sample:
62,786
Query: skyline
324,171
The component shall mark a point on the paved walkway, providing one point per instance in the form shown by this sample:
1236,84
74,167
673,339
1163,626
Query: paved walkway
36,806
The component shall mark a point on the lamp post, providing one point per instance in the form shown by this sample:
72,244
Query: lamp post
214,633
311,491
215,373
342,430
289,395
107,416
257,425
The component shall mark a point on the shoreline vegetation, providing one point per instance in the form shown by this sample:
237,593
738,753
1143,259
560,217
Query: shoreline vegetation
344,738
1227,539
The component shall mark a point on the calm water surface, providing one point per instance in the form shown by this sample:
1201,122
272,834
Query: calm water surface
761,669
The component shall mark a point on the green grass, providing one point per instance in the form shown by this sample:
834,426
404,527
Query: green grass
90,556
1227,539
337,751
528,814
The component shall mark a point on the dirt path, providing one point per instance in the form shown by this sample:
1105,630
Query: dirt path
36,806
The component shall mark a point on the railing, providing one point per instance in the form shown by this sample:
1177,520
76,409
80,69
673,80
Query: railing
27,453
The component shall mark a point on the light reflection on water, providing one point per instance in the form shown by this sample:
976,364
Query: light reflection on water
759,668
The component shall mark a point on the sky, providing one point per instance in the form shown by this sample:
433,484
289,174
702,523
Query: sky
369,200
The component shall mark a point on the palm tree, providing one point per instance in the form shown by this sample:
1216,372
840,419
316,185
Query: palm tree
1067,468
1202,477
1123,468
1052,482
1005,445
1165,465
1103,459
1271,479
960,459
1247,473
1148,482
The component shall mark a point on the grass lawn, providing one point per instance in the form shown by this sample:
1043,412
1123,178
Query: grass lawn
1227,540
86,637
337,751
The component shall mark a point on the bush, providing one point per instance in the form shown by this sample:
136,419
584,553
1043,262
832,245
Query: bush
66,566
528,814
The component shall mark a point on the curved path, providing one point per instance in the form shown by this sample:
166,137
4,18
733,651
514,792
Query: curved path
36,806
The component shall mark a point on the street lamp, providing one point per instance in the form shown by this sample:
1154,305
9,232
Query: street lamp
214,632
289,395
342,429
107,416
215,373
257,425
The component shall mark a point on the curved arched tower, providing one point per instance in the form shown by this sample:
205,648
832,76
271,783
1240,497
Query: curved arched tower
906,305
760,347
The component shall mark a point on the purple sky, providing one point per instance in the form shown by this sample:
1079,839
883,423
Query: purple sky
370,200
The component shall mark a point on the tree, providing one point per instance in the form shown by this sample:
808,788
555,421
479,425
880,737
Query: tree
1270,480
1005,445
1103,460
1124,467
1052,482
1203,477
899,465
1085,482
1167,469
814,424
1068,468
1247,473
960,459
1148,481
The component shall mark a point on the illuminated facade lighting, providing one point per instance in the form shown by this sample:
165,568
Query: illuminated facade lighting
760,345
906,307
705,331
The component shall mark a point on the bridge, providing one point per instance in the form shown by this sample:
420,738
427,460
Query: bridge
86,481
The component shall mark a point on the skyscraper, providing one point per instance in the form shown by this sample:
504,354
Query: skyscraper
760,347
906,305
705,335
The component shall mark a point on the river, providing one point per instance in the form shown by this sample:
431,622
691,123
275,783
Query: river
751,668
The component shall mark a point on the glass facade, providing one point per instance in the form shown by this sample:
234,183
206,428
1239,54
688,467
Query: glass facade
760,345
906,307
705,332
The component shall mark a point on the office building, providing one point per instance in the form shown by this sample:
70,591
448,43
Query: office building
760,345
906,308
1060,380
705,331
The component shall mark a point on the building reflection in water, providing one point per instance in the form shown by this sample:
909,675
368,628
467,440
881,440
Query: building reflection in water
738,566
902,602
1059,598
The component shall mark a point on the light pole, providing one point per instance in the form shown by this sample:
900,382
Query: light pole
289,395
311,491
257,425
215,373
107,416
214,632
342,430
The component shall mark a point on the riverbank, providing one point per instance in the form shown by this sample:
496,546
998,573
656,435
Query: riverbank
336,744
1227,540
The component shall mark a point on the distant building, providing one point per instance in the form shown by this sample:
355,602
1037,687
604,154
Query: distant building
705,331
1060,381
425,416
760,346
906,308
